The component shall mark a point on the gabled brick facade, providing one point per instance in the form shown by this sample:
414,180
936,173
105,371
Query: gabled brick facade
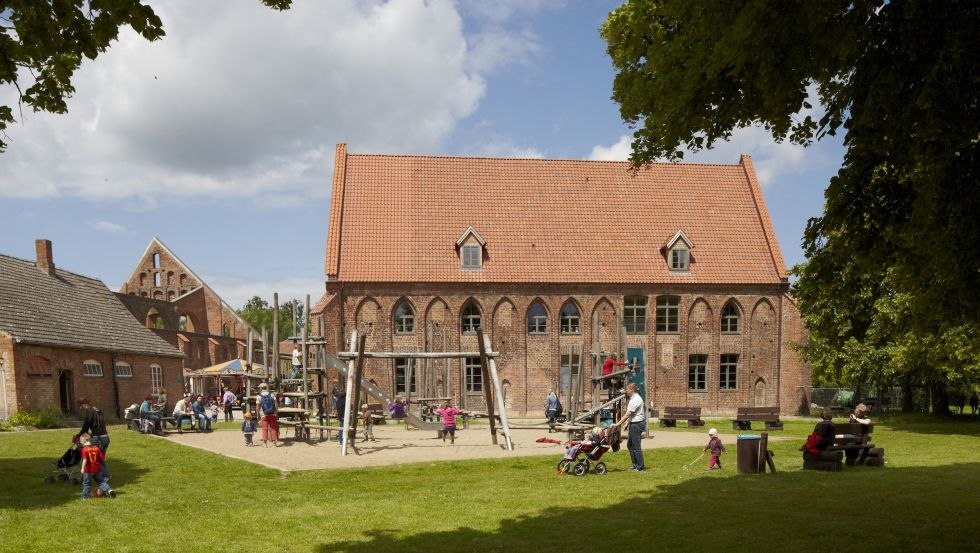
589,234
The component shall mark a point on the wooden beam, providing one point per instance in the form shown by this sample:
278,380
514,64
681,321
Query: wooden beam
415,354
485,376
500,396
358,376
345,423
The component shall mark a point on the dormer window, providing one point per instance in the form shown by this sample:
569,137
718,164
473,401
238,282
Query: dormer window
471,248
679,253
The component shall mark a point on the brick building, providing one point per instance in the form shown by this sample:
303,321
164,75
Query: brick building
563,263
165,295
64,336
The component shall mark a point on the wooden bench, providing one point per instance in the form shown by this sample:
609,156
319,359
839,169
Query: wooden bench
854,440
671,415
852,443
745,415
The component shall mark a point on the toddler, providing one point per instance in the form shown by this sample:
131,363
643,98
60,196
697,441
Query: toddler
716,448
248,429
92,459
368,423
214,411
448,413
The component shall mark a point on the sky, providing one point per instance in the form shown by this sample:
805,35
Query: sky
219,138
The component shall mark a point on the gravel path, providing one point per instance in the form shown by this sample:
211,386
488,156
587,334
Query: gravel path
396,445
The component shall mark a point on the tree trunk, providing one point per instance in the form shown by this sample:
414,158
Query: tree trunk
908,400
940,399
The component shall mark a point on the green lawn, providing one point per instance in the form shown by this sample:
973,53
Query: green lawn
925,499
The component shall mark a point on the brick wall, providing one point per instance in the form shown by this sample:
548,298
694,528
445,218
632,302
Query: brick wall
174,279
529,363
65,381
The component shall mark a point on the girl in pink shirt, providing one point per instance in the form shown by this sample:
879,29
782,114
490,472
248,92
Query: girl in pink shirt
448,413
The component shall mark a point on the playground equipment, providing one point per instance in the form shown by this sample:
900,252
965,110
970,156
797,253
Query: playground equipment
356,382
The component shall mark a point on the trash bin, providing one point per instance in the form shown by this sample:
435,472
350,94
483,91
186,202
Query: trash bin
749,453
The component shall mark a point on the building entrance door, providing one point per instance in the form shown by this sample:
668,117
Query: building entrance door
65,391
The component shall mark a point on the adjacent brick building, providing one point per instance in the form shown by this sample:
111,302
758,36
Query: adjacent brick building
64,336
167,296
563,263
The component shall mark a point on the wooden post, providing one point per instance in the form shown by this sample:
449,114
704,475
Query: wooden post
345,422
248,374
497,390
485,376
408,388
265,354
275,335
306,376
358,376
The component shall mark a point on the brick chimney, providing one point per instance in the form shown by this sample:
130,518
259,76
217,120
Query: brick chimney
45,262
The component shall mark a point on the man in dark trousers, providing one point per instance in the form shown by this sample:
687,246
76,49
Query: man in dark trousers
94,425
636,417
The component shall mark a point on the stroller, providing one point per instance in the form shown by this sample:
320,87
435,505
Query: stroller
64,466
581,454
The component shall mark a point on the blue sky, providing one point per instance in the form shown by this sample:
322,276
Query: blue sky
219,139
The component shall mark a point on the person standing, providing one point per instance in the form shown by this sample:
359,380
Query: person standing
448,413
92,461
974,402
228,400
248,429
716,448
367,418
552,407
636,417
613,384
94,426
297,361
269,413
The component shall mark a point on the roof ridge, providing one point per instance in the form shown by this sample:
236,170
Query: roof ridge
58,268
549,159
755,191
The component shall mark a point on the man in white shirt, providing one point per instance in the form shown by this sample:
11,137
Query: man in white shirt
636,416
297,361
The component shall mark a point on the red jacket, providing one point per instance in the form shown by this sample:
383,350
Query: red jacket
93,458
607,367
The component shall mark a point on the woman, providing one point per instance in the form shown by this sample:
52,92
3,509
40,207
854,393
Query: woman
860,414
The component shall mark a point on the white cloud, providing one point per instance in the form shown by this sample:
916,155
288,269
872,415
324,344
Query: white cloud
619,151
236,290
241,100
107,226
774,161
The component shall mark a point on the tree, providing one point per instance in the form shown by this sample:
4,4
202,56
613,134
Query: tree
47,39
259,314
889,289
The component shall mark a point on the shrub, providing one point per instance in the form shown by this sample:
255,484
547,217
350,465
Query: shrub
43,418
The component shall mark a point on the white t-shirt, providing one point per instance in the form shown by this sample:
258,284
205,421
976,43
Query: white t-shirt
297,355
179,408
635,405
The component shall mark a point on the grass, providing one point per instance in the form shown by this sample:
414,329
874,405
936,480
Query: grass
925,499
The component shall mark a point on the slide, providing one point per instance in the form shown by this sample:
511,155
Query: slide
334,362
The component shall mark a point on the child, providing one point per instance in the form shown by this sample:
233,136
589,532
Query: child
248,428
214,411
368,423
716,448
92,459
576,445
448,413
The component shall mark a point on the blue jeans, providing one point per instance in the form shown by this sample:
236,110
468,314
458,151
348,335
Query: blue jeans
203,421
103,443
179,420
633,444
87,483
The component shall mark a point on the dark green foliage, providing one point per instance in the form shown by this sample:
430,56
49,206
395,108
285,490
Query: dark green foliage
43,43
889,292
259,314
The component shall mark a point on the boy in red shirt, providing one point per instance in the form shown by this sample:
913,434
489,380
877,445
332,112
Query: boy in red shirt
92,459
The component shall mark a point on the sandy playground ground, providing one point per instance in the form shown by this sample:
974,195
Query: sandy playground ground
396,445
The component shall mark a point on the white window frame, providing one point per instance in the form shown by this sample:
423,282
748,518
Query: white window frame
126,372
401,368
730,318
404,318
469,324
537,324
668,312
680,259
635,314
471,256
570,323
92,368
156,377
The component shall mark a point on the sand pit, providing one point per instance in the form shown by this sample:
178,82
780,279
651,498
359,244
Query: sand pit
397,445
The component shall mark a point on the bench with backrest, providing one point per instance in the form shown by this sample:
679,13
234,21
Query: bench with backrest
852,444
854,439
671,415
745,415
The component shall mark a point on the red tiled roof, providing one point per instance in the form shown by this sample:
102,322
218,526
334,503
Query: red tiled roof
322,303
397,219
